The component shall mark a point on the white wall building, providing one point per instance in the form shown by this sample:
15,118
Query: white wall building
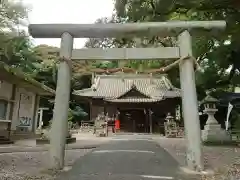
19,102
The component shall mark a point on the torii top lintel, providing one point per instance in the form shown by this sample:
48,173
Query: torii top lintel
170,28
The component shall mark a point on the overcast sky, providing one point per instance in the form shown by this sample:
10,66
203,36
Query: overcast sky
67,11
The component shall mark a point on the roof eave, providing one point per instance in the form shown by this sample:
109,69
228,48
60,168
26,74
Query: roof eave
17,77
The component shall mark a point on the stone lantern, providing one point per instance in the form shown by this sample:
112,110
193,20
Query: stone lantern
169,118
170,126
210,109
212,130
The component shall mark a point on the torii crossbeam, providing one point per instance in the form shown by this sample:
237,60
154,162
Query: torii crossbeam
182,29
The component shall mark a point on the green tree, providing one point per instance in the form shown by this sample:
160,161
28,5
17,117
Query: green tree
12,15
40,62
129,43
214,53
17,51
15,47
47,74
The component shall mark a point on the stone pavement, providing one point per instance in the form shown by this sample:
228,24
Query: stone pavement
123,158
19,148
84,141
80,144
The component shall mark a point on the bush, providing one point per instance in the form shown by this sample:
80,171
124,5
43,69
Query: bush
236,120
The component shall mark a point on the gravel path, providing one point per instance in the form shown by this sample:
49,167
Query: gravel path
79,144
32,165
225,161
26,161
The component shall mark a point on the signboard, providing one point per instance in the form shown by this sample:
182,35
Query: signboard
25,110
25,121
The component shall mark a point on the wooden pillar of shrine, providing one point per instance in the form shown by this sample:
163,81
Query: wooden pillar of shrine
150,121
90,111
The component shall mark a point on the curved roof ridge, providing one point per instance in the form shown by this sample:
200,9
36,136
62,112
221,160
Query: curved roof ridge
131,87
115,86
135,76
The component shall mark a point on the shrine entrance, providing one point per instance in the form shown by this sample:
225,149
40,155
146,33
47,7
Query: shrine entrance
133,120
182,53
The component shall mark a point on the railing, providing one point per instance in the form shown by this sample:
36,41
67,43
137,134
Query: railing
172,130
87,127
5,121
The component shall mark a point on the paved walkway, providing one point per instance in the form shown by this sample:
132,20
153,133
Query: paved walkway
121,159
80,144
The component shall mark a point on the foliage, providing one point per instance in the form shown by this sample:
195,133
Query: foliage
75,116
40,62
79,113
70,114
17,51
105,64
235,119
15,46
213,52
12,14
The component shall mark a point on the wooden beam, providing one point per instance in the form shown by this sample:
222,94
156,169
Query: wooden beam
122,30
126,53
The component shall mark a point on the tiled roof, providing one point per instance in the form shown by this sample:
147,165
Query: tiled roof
134,100
14,75
112,87
209,99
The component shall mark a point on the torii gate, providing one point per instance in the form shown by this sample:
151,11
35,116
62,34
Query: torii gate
182,29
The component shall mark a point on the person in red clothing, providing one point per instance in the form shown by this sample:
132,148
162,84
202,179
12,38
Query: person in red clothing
117,125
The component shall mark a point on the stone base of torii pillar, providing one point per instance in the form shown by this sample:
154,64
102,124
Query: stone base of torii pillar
212,130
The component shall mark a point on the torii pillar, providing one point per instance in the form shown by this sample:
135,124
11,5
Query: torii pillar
59,128
190,103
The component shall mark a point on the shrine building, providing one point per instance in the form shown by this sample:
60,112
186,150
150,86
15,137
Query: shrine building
19,103
141,102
